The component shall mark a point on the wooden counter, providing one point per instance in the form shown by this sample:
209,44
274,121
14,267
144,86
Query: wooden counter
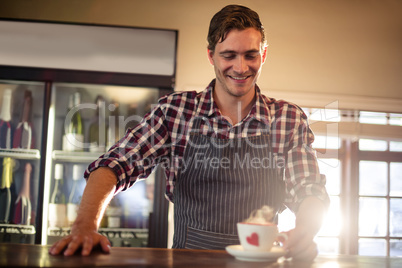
24,255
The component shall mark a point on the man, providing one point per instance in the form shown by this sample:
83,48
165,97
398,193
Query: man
224,151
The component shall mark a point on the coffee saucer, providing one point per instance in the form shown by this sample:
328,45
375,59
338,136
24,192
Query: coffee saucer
239,253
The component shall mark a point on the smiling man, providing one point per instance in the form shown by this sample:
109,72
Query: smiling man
214,146
237,61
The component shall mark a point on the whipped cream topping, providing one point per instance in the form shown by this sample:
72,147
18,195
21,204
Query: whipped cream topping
263,215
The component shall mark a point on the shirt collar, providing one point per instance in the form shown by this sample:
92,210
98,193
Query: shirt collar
208,107
260,111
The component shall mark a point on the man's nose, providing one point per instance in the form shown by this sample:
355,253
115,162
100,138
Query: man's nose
240,65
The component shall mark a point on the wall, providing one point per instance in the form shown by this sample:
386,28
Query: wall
330,48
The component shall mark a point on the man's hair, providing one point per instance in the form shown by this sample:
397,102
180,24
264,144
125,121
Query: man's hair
233,17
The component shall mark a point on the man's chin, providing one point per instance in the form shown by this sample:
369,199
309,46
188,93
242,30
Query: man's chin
240,91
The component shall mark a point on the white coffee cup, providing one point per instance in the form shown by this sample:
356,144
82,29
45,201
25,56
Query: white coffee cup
258,237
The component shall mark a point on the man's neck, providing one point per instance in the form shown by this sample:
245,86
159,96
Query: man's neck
233,108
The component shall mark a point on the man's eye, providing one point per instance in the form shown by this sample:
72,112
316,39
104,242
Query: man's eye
251,56
228,56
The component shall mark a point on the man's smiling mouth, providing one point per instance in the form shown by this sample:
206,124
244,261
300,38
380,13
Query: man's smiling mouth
239,77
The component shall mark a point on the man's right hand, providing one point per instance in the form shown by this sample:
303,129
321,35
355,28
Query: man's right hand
85,241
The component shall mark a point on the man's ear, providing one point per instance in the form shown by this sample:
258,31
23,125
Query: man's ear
264,54
210,56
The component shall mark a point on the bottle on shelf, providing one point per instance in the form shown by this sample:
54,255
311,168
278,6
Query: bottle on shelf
75,195
73,139
23,134
23,210
116,127
57,203
97,135
6,128
5,190
114,213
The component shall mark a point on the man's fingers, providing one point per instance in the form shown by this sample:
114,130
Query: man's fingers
59,246
74,244
105,244
300,245
308,254
87,246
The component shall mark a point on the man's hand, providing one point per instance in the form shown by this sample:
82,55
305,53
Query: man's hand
84,240
300,244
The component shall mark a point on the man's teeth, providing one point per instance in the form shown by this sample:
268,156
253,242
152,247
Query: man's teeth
239,78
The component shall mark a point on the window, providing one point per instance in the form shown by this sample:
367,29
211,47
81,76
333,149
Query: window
380,201
363,167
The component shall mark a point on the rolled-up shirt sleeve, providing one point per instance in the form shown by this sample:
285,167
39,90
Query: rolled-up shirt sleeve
138,152
302,174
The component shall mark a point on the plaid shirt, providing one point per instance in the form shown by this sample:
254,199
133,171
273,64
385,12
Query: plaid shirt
161,138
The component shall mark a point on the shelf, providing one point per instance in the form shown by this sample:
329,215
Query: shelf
66,156
17,229
27,154
124,233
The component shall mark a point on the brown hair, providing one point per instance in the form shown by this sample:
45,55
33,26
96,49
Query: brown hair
232,17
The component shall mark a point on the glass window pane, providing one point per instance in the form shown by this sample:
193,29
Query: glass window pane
395,119
333,219
396,179
395,146
373,118
328,115
372,216
306,111
373,178
331,168
395,248
372,145
395,227
327,245
326,142
372,247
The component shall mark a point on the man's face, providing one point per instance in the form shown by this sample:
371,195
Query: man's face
237,62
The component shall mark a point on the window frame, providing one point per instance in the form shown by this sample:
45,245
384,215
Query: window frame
350,155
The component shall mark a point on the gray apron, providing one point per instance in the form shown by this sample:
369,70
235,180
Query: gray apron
223,182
